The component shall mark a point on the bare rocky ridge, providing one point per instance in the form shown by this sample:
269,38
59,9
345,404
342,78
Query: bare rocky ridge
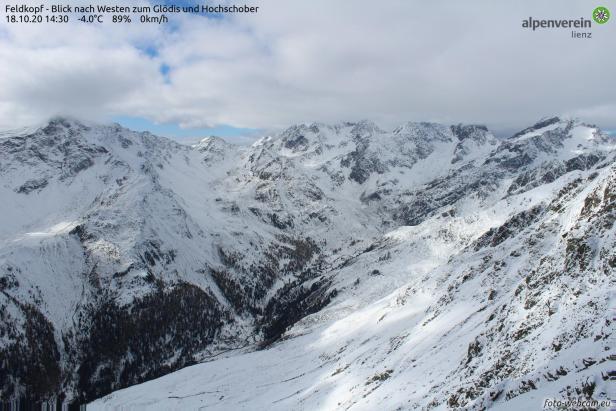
125,256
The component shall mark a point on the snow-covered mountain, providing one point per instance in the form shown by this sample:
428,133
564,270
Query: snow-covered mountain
328,267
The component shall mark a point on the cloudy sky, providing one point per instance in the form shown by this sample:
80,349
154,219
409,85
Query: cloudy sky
319,60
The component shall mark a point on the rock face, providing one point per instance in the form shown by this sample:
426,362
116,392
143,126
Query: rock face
125,256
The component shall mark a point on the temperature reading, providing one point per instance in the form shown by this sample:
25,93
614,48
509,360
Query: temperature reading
91,18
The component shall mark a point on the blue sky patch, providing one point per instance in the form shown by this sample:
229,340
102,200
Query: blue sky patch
173,130
185,3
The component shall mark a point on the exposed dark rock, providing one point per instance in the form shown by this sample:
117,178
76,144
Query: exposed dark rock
293,302
509,229
463,131
537,126
299,143
582,162
32,185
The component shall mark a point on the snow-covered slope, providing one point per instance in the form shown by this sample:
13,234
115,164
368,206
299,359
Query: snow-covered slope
327,267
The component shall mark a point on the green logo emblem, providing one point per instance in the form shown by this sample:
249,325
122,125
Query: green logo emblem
601,15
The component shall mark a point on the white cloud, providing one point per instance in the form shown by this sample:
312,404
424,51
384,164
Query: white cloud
320,60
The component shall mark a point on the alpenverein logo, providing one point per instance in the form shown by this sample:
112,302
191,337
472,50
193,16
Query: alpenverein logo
601,15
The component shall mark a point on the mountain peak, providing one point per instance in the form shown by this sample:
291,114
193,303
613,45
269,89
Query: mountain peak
464,131
365,128
66,122
424,131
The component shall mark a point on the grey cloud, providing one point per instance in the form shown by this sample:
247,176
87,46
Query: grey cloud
326,60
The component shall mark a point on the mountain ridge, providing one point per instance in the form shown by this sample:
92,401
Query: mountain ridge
113,230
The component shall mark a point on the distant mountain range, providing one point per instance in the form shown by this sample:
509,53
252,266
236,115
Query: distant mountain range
327,267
